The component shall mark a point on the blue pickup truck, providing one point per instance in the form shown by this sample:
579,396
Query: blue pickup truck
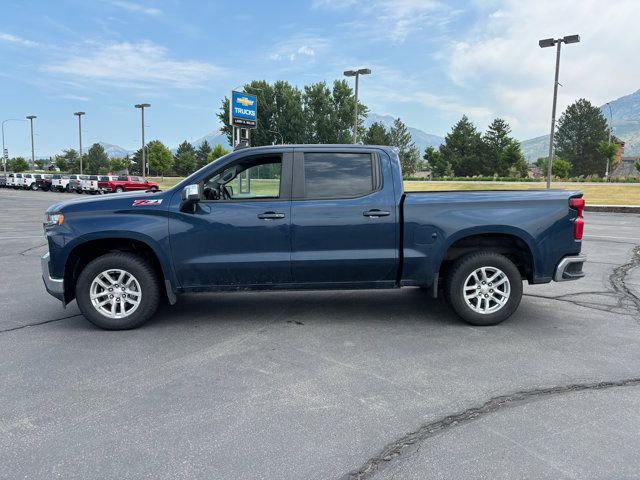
308,217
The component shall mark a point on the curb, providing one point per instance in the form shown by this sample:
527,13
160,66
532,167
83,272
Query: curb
613,208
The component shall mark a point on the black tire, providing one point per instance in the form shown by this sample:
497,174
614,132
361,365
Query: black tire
34,186
119,189
463,268
154,189
68,188
136,266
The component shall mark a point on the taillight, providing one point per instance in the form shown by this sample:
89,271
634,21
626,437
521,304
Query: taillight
578,226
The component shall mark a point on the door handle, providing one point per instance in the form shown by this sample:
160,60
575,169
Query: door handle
376,213
270,215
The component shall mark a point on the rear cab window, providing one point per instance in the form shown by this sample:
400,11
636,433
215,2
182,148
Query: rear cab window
334,175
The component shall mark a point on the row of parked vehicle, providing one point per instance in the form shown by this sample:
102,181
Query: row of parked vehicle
91,184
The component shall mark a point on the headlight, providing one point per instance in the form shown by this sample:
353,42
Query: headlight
52,219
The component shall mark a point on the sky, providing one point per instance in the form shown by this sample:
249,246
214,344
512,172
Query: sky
431,61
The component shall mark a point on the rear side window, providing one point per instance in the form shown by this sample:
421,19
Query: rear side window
338,175
122,178
93,177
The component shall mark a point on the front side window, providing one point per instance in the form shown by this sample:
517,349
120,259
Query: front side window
338,175
123,178
252,178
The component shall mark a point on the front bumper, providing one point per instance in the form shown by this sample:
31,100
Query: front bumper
570,268
54,286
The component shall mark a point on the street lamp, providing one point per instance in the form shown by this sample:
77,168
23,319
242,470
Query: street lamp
5,153
356,73
550,42
606,172
142,106
79,115
33,151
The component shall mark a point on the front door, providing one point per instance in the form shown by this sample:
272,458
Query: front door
239,234
343,222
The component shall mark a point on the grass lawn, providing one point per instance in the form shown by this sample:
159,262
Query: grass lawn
595,194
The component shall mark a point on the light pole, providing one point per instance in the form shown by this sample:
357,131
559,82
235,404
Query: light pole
356,73
142,106
79,115
33,151
606,172
5,154
550,42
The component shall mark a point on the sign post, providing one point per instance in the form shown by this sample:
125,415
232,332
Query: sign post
243,116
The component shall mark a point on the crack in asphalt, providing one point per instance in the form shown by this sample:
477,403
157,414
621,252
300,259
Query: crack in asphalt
44,322
401,446
412,440
619,276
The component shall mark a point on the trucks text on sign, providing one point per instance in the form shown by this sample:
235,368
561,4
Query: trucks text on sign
244,110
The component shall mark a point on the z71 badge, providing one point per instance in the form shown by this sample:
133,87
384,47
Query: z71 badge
146,203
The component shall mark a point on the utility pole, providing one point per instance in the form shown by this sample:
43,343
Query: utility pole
79,115
356,73
549,42
142,106
33,151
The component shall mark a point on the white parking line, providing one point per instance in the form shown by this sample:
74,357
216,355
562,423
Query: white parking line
615,238
27,236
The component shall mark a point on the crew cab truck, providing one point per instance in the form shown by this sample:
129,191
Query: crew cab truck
308,217
127,183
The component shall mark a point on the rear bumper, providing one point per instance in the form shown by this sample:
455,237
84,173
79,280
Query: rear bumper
54,286
570,268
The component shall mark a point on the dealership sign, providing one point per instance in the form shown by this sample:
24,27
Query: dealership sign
244,110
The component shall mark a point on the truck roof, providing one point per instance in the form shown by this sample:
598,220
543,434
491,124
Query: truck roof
341,146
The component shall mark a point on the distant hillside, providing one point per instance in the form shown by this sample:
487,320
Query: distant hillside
115,151
534,148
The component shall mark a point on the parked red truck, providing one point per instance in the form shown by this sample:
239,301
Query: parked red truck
127,183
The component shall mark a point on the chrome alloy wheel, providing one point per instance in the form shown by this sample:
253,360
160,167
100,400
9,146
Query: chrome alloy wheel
115,293
486,290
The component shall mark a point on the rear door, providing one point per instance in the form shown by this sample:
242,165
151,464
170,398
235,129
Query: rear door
343,219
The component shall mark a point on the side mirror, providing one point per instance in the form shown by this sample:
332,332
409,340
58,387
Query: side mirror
190,196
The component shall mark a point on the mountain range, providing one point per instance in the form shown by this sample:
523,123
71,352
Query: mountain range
625,118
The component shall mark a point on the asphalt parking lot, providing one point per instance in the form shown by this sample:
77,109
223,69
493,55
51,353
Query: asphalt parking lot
322,385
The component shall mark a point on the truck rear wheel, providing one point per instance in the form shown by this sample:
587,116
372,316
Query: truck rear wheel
118,291
119,189
484,288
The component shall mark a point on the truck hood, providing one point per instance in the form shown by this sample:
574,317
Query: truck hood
113,201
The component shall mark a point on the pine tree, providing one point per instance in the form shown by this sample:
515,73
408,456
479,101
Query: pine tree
463,149
159,156
184,160
96,161
438,166
581,128
202,154
407,151
377,134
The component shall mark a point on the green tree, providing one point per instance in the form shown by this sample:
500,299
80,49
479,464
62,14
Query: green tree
608,150
377,134
217,152
40,164
160,157
438,166
288,117
117,165
202,154
184,160
407,151
69,161
318,112
581,128
18,164
60,162
560,168
97,160
637,165
463,149
502,153
135,165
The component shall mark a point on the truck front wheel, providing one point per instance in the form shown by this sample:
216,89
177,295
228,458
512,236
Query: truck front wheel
484,288
118,291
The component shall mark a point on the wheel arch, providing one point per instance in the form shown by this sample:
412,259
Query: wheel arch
90,248
515,244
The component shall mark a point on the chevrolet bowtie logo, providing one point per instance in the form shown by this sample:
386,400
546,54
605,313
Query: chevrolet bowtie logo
244,101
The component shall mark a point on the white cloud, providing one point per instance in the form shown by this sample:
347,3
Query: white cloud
7,37
395,20
305,50
135,7
135,65
70,96
499,59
